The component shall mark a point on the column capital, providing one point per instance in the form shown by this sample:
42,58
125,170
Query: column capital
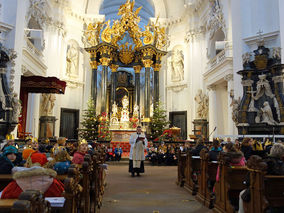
137,68
229,77
114,67
147,62
211,87
94,64
157,67
105,61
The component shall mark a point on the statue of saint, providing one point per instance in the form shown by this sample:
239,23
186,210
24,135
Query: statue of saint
177,66
16,105
263,87
202,104
136,111
72,59
2,95
125,111
267,116
114,109
47,104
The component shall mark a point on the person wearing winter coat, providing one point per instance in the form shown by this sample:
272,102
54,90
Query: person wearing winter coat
9,159
78,157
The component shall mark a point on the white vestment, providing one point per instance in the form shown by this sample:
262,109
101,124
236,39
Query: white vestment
137,149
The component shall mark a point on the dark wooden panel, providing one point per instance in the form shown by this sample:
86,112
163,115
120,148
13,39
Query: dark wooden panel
69,123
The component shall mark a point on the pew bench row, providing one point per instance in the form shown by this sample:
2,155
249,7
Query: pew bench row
198,176
83,189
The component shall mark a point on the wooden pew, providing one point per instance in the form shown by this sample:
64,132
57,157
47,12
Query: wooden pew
72,190
267,191
181,168
204,194
29,201
192,173
229,186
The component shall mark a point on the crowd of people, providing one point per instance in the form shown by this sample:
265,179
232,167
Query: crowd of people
35,165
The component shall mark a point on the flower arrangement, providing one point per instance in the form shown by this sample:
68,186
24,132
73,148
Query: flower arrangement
133,122
166,136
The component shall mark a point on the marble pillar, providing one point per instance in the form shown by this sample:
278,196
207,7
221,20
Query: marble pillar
104,89
212,112
94,66
137,86
113,83
156,83
147,98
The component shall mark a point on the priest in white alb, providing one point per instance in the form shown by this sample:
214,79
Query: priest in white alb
138,142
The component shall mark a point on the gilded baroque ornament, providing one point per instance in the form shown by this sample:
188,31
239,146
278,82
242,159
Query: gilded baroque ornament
112,33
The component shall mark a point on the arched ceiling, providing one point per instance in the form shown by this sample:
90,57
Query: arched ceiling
95,6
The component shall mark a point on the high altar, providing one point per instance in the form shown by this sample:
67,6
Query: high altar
108,48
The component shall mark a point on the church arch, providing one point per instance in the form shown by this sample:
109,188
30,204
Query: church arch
216,44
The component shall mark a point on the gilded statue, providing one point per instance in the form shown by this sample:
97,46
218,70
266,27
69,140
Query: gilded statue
93,33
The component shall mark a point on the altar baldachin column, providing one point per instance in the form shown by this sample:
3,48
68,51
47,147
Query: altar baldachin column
105,62
114,68
94,66
147,101
137,70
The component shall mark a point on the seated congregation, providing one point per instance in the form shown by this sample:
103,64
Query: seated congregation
243,177
69,177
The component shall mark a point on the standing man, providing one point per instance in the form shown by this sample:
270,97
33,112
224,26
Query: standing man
138,142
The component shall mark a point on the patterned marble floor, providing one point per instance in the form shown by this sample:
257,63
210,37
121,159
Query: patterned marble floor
152,192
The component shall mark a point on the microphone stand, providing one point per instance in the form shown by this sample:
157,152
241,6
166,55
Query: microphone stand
212,132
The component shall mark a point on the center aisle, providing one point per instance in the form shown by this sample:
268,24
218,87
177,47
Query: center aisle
153,191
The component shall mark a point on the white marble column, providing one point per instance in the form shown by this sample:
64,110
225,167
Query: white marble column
230,90
212,111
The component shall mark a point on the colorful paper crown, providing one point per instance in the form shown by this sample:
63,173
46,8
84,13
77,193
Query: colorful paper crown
83,141
10,137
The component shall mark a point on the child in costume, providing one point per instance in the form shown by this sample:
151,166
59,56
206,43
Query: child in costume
62,160
8,159
33,177
78,157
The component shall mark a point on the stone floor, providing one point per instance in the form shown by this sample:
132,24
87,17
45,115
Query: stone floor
153,192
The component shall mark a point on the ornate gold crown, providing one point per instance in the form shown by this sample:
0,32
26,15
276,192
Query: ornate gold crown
83,141
126,54
10,137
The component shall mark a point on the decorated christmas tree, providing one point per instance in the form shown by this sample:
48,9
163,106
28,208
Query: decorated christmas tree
104,133
159,121
89,130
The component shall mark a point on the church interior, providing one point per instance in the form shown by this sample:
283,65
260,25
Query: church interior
189,93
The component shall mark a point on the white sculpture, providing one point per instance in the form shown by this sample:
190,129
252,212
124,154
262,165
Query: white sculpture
16,105
2,95
235,109
125,111
263,87
267,116
202,104
177,66
72,59
135,110
114,109
276,52
246,58
47,104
